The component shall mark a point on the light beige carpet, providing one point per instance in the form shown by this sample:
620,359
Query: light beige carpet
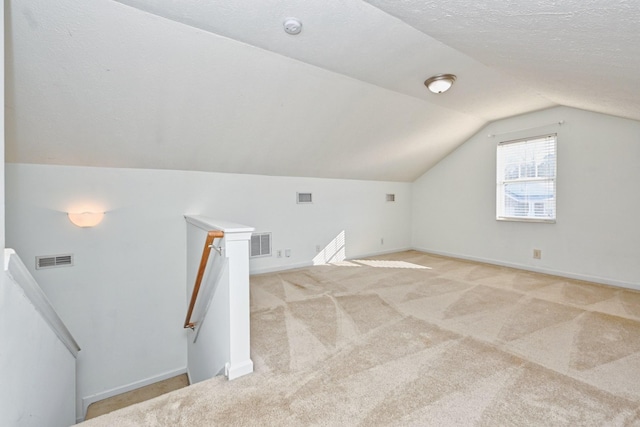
416,339
132,397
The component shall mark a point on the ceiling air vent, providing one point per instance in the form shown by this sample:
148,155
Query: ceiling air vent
260,245
51,261
391,197
304,198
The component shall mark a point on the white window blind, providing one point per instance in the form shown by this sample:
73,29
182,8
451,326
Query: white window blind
526,179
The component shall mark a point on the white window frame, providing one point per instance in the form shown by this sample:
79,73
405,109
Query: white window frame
534,148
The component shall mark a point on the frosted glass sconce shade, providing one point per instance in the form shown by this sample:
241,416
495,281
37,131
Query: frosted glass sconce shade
86,219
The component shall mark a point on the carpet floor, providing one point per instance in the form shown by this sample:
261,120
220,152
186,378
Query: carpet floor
132,397
417,339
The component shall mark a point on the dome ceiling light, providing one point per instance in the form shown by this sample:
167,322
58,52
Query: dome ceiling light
440,83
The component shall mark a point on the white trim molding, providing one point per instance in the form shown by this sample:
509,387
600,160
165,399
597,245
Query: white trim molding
552,272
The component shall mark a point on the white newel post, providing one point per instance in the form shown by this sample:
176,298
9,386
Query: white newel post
237,252
220,340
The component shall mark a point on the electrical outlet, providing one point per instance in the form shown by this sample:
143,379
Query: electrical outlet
287,253
537,254
279,253
318,249
382,240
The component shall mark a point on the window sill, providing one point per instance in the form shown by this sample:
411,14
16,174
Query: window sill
511,219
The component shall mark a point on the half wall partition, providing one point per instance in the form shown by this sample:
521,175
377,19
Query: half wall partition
218,316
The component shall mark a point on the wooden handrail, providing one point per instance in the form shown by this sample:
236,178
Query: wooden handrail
211,236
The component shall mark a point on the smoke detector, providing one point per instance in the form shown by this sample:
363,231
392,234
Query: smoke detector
292,26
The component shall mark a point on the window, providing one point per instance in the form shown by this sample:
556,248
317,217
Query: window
526,179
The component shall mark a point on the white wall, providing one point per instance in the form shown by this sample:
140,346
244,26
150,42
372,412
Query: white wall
2,232
597,232
124,299
37,370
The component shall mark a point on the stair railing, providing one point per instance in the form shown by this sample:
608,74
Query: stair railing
208,245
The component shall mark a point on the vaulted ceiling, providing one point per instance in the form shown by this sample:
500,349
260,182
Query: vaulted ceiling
219,86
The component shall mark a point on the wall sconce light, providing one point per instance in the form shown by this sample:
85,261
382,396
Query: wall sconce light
86,219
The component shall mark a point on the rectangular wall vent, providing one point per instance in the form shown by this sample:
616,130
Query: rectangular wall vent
260,245
50,261
391,197
304,197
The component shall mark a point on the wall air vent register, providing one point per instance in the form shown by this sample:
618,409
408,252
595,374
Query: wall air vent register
260,245
304,198
51,261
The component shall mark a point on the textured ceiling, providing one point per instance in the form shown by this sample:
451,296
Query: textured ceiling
579,53
218,85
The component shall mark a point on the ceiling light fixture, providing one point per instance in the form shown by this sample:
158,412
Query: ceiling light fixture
292,26
440,83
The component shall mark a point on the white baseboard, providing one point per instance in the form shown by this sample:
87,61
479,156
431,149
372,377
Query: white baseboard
568,275
88,400
370,254
281,268
238,369
189,376
310,263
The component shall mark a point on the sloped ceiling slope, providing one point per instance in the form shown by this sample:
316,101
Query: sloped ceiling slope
582,54
219,86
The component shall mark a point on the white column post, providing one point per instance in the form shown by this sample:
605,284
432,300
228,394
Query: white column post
237,252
